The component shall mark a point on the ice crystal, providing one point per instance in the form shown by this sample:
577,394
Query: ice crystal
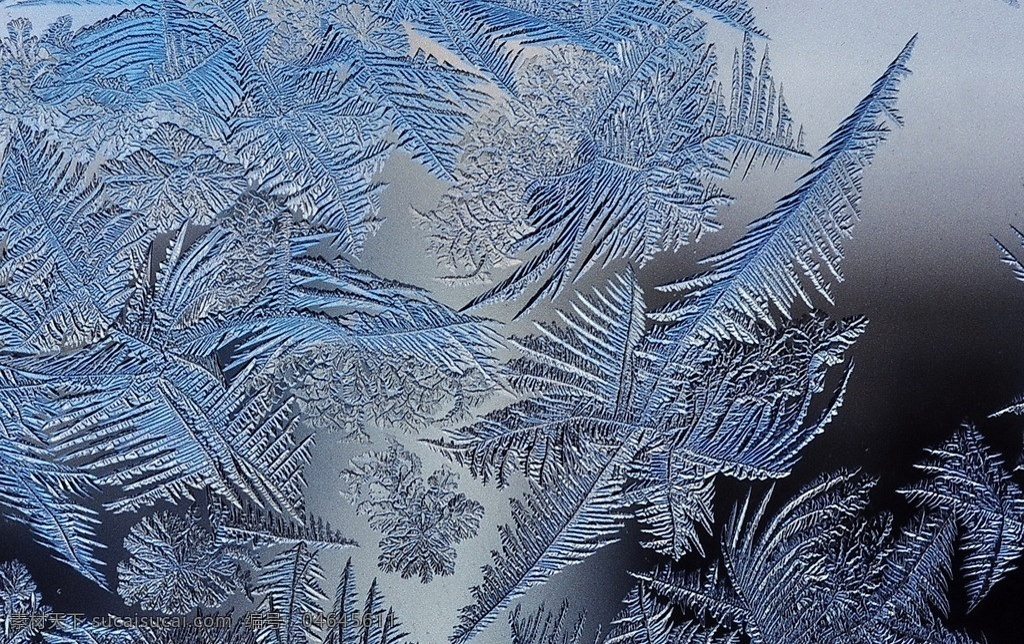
422,519
175,565
20,603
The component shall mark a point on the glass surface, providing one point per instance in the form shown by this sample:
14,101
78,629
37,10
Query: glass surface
509,321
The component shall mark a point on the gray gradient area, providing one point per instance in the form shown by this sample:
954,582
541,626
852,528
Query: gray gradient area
945,343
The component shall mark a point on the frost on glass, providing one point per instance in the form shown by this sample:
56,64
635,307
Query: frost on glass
603,388
544,627
625,160
859,576
175,565
195,324
143,362
292,586
18,596
249,525
422,519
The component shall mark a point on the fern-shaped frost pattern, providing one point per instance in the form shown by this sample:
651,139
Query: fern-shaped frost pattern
593,444
548,533
654,133
965,478
760,275
855,576
544,627
185,188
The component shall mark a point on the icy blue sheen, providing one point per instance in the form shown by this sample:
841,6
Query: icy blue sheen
186,323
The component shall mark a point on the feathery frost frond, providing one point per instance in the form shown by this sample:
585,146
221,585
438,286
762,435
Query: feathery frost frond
735,13
249,525
967,479
544,627
19,595
291,585
578,379
374,624
645,619
552,530
742,412
763,273
854,578
487,35
654,133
